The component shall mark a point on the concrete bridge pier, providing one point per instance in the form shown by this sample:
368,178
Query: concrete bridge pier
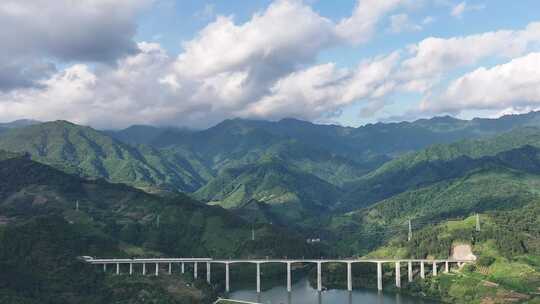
195,270
208,272
157,269
227,287
349,276
289,277
434,268
258,277
117,268
379,276
144,268
170,268
183,268
422,270
409,271
398,274
446,267
319,276
104,267
130,268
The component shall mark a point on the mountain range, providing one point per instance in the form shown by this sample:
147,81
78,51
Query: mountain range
151,190
308,168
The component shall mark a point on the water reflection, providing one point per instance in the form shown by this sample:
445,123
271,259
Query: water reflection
303,293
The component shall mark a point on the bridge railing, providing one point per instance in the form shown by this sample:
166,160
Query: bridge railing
349,261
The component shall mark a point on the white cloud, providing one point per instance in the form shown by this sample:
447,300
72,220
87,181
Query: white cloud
459,9
261,68
360,27
107,96
431,57
324,89
224,46
227,70
136,91
401,23
515,85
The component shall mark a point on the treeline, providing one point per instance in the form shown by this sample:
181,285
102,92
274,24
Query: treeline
514,233
39,264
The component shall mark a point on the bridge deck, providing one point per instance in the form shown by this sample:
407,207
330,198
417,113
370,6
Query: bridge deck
262,261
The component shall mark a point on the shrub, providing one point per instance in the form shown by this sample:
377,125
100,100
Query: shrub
486,260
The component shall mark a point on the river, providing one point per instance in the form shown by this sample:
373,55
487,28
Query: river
303,293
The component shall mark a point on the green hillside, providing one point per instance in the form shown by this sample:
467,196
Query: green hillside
90,153
287,180
492,184
469,148
289,191
48,218
370,144
442,162
508,257
176,225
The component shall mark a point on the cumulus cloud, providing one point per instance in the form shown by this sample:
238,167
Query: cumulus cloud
323,89
107,95
23,73
360,27
227,70
63,30
265,67
135,91
431,57
514,85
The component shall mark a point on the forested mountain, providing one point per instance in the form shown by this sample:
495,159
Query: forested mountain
290,192
439,190
373,142
18,124
443,162
313,167
355,188
146,135
48,218
90,153
174,225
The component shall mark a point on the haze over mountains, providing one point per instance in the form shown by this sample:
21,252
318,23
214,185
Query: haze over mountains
292,163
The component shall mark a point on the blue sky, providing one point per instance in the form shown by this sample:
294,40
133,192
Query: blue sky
195,63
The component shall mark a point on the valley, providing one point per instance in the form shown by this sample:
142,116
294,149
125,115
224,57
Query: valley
257,189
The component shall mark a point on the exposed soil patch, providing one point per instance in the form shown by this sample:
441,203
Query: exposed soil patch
463,252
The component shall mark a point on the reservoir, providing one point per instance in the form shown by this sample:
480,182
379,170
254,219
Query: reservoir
303,293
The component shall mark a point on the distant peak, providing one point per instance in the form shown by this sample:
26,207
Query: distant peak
60,123
445,118
19,123
294,120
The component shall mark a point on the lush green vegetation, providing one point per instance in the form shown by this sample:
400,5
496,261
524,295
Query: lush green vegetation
508,251
39,265
42,233
287,180
90,153
288,191
507,248
516,149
